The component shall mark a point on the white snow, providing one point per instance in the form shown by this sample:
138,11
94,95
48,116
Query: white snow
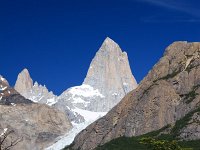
3,88
89,115
1,98
9,92
79,100
85,91
1,78
125,83
114,94
69,137
51,101
13,104
4,132
188,62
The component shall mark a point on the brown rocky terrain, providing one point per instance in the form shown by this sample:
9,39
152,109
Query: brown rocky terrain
166,94
36,125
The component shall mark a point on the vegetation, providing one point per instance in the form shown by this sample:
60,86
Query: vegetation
154,144
156,140
173,74
4,145
189,97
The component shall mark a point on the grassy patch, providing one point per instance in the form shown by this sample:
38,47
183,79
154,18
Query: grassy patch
189,97
173,74
133,143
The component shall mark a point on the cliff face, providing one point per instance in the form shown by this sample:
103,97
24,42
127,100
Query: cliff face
24,82
108,80
110,73
167,93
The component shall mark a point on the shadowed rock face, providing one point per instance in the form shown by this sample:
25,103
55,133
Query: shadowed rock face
37,124
167,93
192,130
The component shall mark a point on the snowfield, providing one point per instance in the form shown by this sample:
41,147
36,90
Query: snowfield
67,139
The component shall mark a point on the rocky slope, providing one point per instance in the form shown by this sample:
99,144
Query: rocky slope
167,93
36,125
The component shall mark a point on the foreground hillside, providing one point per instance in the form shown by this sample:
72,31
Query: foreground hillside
188,123
169,92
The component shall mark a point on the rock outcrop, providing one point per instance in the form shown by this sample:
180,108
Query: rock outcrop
36,125
191,131
169,91
35,92
24,82
110,73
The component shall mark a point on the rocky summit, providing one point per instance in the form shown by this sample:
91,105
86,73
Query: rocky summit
169,92
35,92
108,80
110,73
30,125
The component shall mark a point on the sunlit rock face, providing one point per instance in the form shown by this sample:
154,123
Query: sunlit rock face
35,92
37,125
168,92
110,73
108,80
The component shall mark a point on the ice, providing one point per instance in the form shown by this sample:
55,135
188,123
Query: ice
69,137
89,115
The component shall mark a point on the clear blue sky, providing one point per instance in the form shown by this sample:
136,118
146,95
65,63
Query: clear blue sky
57,39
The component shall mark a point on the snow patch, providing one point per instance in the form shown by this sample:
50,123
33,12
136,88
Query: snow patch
51,101
89,115
2,79
114,94
4,132
3,88
188,62
85,91
13,104
67,139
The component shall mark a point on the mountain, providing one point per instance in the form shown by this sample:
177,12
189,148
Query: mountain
168,93
34,125
108,80
35,92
